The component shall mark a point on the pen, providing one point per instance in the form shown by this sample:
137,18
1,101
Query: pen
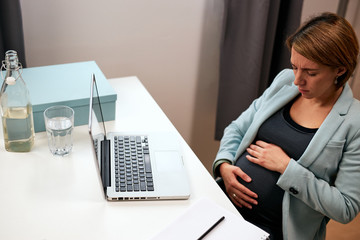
211,228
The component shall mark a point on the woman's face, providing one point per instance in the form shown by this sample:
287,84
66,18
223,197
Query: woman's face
314,81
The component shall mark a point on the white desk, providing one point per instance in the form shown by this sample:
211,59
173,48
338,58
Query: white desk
46,197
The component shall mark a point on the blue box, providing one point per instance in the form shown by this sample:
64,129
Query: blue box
67,84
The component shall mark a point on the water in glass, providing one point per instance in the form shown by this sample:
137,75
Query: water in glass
59,135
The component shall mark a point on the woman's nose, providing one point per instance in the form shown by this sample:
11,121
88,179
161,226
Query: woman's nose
298,78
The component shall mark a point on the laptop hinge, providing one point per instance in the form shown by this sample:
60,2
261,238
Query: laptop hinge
105,163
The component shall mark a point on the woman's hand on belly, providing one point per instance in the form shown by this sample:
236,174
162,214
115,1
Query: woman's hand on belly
268,156
238,193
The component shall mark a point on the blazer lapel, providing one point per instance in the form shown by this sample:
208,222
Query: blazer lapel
327,128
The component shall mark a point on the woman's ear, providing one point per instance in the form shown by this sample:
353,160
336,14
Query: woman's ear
341,71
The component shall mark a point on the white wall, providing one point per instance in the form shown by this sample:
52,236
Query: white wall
311,7
172,46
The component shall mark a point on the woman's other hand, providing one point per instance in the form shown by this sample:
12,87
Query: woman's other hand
268,156
238,193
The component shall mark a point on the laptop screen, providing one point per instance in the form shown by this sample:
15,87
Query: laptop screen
97,132
96,119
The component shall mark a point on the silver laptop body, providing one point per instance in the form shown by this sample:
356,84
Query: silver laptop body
136,166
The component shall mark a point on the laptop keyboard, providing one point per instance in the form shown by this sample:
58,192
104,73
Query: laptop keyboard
132,164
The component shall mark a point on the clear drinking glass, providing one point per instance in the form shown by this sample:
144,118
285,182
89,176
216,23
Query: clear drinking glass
59,123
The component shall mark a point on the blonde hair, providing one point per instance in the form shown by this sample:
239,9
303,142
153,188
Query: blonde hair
327,39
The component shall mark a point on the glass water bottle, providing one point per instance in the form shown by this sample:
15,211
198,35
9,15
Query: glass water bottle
16,108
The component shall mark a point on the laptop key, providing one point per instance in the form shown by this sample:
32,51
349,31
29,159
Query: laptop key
142,186
147,163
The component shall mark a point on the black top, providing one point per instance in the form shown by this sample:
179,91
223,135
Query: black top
282,131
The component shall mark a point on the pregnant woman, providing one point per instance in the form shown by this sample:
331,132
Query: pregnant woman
291,161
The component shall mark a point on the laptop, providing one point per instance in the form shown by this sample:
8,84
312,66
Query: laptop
136,166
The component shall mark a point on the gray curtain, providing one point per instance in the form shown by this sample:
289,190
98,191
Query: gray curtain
253,51
11,29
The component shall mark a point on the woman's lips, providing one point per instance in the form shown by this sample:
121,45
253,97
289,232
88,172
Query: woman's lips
303,90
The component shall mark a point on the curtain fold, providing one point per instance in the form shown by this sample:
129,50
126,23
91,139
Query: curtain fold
11,29
253,51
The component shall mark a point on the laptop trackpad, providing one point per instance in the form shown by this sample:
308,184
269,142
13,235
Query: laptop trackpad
168,161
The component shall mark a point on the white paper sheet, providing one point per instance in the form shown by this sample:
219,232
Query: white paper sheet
201,216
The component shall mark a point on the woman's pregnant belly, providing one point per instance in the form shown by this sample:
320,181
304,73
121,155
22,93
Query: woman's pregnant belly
263,183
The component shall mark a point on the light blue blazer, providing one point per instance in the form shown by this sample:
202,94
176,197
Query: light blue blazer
325,182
